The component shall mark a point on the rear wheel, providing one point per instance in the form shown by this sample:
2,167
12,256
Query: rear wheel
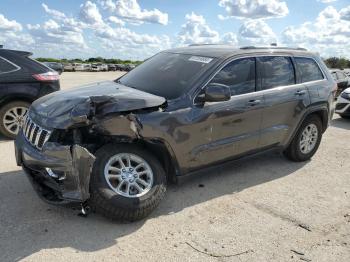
11,117
127,182
306,141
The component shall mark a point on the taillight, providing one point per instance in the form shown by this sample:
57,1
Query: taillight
48,76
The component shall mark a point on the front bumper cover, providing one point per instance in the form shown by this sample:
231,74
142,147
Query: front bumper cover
73,165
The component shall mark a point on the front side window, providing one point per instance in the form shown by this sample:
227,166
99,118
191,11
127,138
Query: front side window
276,71
238,75
309,69
6,66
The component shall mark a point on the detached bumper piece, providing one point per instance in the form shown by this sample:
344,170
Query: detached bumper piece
59,174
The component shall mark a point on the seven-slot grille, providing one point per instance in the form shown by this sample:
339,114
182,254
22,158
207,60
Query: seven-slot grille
36,135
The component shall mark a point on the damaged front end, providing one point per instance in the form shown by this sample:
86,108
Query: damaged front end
60,166
59,174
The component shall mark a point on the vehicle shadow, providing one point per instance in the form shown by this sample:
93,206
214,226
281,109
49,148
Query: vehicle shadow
28,225
341,123
4,139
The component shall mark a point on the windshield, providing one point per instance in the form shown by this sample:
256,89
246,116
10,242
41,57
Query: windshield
166,74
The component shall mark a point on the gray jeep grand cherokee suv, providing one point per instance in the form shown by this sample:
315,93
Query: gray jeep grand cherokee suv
114,145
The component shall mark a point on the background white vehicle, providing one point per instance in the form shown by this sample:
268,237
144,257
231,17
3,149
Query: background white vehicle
343,104
95,68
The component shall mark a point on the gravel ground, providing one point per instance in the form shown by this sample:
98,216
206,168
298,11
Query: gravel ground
263,208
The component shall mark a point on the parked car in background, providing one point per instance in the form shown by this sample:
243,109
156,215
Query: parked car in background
95,67
112,67
343,104
22,80
347,71
104,67
114,145
121,67
343,81
58,67
68,67
129,67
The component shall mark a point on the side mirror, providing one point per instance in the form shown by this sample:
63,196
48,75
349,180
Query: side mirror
215,93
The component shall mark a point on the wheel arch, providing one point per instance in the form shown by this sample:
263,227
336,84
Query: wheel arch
320,111
8,99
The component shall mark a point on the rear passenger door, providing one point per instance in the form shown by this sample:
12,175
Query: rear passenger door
285,100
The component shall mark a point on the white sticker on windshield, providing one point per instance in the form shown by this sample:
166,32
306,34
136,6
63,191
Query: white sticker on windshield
201,59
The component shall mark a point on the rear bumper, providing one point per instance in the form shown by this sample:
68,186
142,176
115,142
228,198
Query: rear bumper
59,174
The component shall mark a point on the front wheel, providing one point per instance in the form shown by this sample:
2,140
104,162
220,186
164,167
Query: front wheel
12,117
127,182
307,140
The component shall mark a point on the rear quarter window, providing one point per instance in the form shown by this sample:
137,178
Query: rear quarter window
309,69
6,66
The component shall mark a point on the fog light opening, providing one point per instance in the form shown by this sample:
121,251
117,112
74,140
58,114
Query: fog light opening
51,173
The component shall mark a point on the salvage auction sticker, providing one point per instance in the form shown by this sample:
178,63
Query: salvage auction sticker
201,59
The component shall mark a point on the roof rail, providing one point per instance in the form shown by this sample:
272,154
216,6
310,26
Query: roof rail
273,47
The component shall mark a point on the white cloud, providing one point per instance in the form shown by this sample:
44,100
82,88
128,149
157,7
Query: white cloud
54,13
116,20
196,30
90,14
326,1
230,38
52,33
122,40
253,9
12,36
256,32
131,11
9,25
329,34
345,13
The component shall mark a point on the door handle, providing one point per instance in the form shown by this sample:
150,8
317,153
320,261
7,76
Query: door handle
254,102
300,92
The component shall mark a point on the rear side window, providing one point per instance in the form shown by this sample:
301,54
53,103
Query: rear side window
309,69
276,71
239,75
6,66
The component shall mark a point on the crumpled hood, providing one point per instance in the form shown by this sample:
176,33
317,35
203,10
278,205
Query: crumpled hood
79,105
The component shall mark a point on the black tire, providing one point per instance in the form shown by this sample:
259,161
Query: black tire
3,110
293,152
117,207
345,116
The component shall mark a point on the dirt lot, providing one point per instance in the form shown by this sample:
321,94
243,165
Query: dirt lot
258,209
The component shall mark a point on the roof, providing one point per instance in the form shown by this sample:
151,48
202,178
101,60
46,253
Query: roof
222,51
17,52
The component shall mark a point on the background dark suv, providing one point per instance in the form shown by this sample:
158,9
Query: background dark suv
22,80
114,145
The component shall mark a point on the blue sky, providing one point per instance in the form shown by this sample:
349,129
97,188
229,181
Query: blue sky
137,29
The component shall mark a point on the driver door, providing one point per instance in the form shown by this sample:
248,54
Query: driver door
234,125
